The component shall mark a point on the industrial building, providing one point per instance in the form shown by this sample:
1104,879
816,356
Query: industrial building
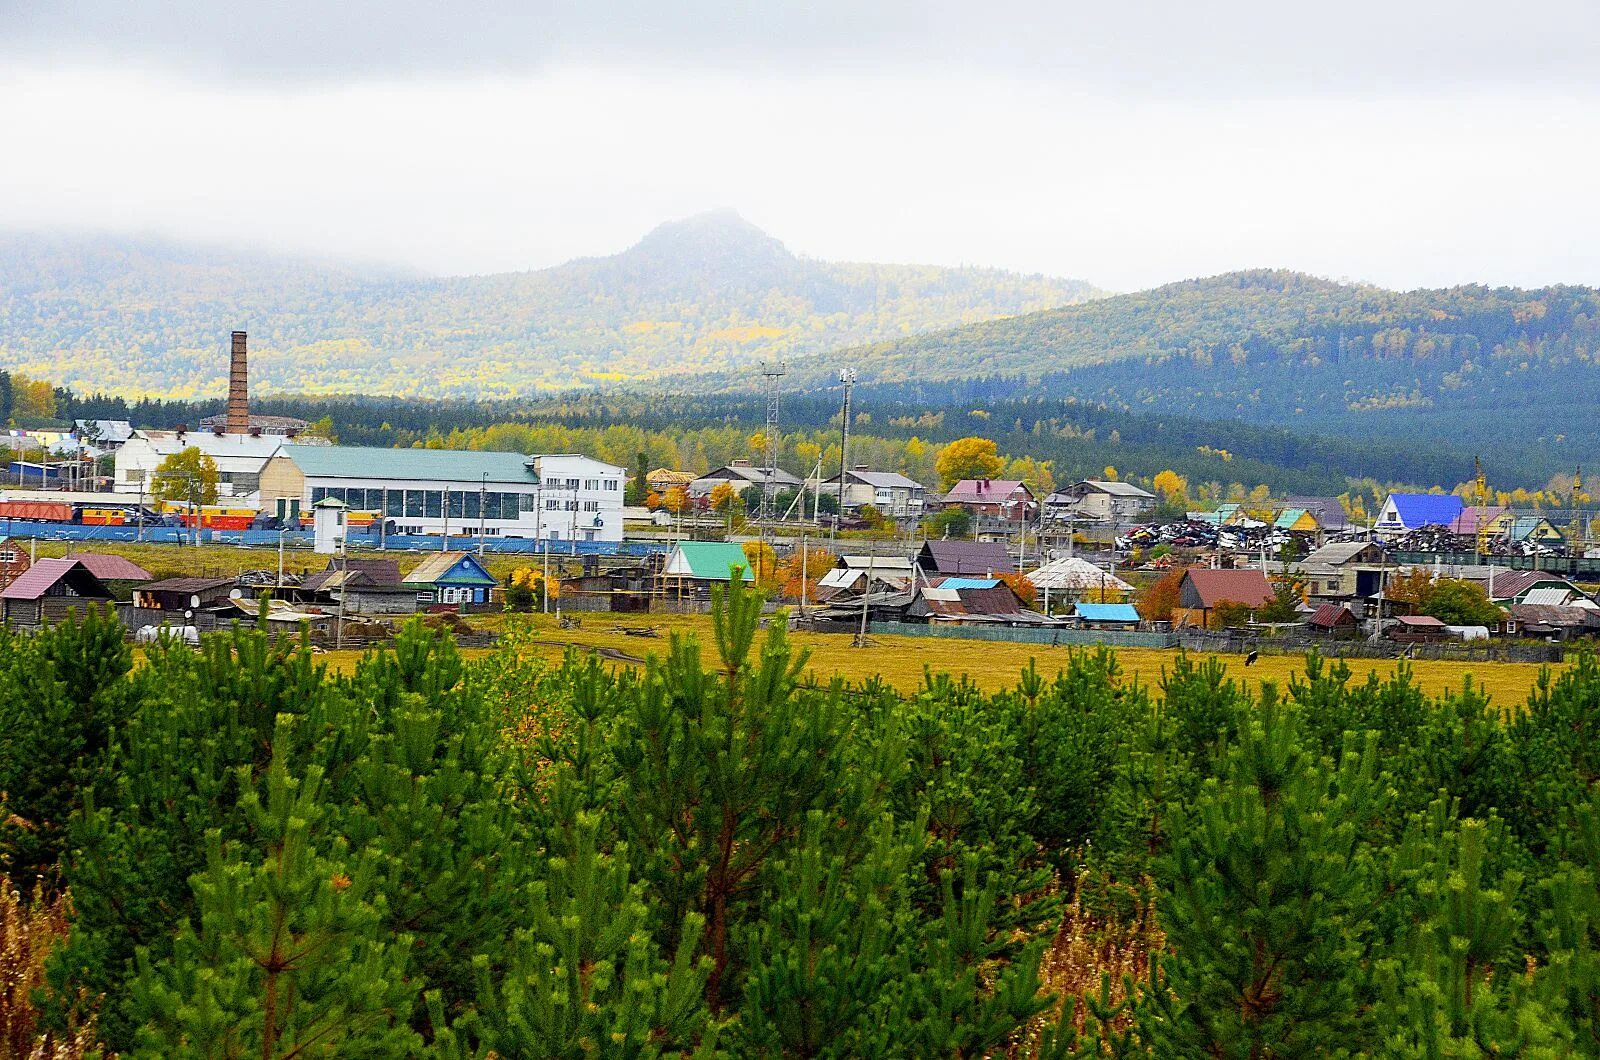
561,497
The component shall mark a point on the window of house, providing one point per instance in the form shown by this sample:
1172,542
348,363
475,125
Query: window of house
591,483
552,506
591,506
7,556
572,506
611,483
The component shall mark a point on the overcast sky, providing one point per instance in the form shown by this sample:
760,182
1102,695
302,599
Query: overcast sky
1399,142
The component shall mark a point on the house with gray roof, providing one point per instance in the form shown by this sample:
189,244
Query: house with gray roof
892,493
1099,501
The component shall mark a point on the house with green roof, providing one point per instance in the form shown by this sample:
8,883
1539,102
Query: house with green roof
454,492
693,567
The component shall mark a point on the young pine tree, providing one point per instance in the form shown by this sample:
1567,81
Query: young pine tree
1267,894
289,953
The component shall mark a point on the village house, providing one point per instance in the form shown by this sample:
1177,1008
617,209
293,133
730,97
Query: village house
1343,572
451,578
892,493
740,475
693,567
1203,591
14,559
1075,578
1099,501
47,590
663,479
1327,511
364,586
1404,512
995,498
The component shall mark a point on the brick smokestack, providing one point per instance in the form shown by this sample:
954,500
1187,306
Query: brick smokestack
239,388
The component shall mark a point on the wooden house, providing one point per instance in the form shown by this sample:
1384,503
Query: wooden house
47,590
14,559
184,594
1203,591
451,578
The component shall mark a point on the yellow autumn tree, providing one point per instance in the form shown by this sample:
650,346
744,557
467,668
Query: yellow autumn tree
1171,485
970,457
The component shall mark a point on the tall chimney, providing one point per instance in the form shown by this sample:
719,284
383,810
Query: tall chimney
239,388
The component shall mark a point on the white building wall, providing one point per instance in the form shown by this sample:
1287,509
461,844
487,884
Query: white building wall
577,498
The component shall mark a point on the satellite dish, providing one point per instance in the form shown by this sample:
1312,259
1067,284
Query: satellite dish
194,601
236,594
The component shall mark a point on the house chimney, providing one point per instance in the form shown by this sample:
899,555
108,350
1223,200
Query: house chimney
238,388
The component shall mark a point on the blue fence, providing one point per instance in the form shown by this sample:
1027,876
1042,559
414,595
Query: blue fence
1052,637
173,535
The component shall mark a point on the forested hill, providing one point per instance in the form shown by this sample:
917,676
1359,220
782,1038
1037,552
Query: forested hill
138,316
1472,365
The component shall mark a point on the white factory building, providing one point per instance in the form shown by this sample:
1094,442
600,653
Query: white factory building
562,497
239,458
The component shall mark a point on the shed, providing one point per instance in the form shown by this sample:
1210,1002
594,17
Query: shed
48,589
183,594
452,578
1414,628
1331,619
1107,616
693,567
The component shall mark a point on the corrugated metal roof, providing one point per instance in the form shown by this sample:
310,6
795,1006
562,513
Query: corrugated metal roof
109,567
40,578
708,561
1426,509
967,557
440,564
1248,587
448,465
1549,595
187,585
1107,612
986,490
1328,616
1328,511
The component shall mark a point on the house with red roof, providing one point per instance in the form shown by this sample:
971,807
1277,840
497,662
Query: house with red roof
998,498
1203,591
47,590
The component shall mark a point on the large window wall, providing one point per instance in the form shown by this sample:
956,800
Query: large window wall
466,505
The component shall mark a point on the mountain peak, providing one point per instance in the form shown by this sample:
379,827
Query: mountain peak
714,238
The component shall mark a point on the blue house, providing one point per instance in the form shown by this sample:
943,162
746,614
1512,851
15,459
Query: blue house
1107,616
451,578
1404,512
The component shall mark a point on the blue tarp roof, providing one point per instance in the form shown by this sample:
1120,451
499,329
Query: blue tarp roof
1108,612
1426,509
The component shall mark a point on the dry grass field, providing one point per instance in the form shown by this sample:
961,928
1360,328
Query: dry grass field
901,660
898,660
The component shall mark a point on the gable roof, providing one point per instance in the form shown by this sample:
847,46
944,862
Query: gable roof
1553,615
1289,516
1415,510
456,568
965,557
1337,554
1107,612
372,573
1475,517
879,479
1510,584
986,490
708,561
1327,616
39,579
109,567
1327,510
445,465
1525,526
1420,621
751,474
1109,487
1248,587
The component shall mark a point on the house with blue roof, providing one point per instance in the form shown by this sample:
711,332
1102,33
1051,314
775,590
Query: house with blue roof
1404,512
